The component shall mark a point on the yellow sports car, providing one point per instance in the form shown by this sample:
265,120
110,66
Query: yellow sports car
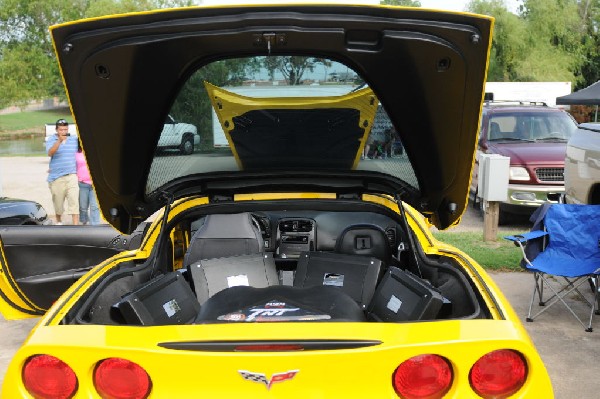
289,256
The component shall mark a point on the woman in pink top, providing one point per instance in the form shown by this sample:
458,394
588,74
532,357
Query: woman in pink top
87,196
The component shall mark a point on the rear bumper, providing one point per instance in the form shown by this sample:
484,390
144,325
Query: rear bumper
218,374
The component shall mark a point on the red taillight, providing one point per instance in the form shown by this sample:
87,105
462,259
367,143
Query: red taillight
423,377
46,377
116,378
498,374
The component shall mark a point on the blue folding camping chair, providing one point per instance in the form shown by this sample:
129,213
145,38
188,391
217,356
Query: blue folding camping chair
566,246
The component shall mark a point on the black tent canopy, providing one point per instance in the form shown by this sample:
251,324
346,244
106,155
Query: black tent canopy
588,96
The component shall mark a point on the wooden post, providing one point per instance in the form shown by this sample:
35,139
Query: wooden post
490,220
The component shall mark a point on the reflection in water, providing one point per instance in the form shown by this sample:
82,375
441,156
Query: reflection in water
23,146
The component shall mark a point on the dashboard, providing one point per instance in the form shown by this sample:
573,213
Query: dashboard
288,233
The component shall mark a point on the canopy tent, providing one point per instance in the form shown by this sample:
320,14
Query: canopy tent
588,96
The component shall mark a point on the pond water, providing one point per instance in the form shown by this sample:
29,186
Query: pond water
23,146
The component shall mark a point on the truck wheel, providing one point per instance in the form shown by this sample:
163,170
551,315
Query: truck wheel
187,145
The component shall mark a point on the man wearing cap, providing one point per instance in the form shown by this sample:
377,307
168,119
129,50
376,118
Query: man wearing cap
62,176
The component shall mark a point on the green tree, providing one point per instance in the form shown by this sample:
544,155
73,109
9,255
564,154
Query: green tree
192,103
27,73
542,43
554,40
28,67
589,71
293,67
98,8
508,46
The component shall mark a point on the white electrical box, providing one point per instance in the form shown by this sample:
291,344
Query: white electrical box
493,177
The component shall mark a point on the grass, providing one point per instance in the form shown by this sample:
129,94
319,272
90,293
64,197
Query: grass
31,122
500,255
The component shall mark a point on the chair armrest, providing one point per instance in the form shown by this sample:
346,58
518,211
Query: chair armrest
523,238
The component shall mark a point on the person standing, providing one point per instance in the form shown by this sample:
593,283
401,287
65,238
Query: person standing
62,177
392,144
87,195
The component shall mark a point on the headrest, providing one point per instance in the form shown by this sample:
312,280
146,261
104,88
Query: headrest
364,239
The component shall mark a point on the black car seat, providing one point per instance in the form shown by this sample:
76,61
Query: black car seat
223,235
366,240
228,251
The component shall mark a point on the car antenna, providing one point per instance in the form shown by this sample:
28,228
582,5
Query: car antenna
411,241
168,198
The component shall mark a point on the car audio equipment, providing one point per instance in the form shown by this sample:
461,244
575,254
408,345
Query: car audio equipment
166,299
356,275
295,236
402,296
210,276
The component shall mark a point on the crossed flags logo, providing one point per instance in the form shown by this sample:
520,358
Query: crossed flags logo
262,378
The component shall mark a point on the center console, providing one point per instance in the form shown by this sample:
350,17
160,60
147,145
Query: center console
295,235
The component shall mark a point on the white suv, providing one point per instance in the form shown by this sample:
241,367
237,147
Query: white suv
182,136
582,165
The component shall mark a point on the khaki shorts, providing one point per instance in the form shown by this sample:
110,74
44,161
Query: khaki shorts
65,187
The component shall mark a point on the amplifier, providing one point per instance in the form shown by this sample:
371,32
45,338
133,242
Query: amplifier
167,299
402,296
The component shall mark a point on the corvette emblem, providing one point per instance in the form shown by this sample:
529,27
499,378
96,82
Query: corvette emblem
262,378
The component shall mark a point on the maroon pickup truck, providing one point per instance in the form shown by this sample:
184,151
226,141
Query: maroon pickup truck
534,136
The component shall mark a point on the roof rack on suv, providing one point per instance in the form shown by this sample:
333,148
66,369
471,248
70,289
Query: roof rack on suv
515,102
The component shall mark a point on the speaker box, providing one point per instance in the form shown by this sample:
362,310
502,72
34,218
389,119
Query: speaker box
167,299
210,276
356,275
402,296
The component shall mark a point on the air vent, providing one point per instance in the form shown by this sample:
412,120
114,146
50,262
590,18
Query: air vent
390,232
265,225
296,225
